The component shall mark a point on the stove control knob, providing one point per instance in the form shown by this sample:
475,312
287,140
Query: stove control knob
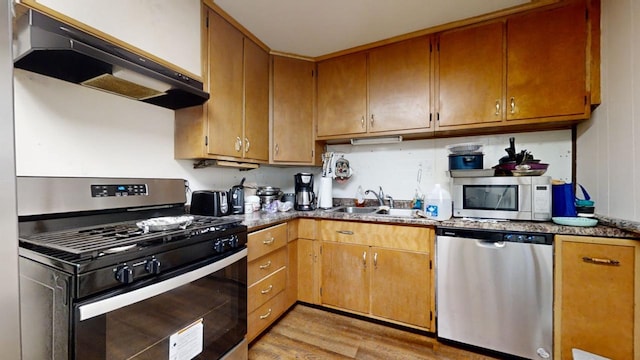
124,274
218,246
153,266
233,242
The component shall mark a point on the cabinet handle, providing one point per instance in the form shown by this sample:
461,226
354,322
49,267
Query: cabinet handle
372,119
277,149
262,317
238,143
345,232
497,107
362,121
267,290
364,259
268,241
513,105
268,264
375,260
247,145
599,261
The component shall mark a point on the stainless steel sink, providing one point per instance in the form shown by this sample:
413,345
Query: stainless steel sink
397,212
355,210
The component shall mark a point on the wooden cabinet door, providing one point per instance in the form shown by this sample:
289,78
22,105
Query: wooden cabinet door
595,297
342,95
399,86
293,92
401,286
546,63
224,110
471,75
256,102
345,276
308,271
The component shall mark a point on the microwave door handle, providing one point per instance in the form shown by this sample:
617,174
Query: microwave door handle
116,302
500,199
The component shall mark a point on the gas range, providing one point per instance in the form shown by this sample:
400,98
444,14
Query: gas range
113,268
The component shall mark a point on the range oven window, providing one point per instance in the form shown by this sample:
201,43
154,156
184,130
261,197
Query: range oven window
147,328
490,197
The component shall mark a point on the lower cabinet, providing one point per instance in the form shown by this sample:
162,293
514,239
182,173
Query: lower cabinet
381,271
266,277
597,284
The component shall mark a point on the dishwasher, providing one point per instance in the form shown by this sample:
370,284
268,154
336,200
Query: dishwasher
494,290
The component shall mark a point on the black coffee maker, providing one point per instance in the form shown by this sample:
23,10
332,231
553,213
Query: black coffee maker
305,197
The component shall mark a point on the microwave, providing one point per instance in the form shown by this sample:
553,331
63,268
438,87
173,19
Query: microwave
503,197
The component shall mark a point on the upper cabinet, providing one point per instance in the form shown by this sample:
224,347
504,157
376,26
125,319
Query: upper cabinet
530,68
234,123
547,64
385,90
293,112
470,75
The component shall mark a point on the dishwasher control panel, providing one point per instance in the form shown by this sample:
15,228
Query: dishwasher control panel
497,235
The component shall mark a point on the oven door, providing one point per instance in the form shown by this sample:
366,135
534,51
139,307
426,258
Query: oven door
198,312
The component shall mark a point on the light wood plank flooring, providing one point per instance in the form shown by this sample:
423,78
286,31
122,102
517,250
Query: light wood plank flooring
309,333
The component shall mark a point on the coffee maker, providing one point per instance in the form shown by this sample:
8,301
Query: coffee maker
305,196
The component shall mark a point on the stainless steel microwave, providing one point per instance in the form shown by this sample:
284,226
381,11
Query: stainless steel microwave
503,197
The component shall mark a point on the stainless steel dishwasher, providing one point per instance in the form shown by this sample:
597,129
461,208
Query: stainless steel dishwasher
494,290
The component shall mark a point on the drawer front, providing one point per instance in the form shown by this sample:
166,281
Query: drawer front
343,231
381,235
265,289
267,240
265,265
265,315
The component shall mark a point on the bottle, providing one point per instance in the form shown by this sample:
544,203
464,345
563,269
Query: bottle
438,204
359,200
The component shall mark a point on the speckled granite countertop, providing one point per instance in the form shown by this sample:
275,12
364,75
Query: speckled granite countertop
606,227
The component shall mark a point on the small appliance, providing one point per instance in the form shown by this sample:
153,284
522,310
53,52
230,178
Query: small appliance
503,197
236,198
210,203
305,197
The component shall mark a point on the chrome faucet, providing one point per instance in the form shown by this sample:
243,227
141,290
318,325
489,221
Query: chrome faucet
379,195
388,197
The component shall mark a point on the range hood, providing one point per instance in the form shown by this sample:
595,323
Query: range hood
47,46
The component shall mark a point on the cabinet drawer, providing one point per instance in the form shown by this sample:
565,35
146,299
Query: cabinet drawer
265,289
265,265
264,241
381,235
265,315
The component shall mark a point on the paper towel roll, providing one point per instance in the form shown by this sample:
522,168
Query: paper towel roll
325,196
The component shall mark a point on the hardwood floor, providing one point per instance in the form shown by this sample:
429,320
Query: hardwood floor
309,333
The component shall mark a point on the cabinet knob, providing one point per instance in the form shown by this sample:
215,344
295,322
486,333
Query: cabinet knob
238,145
372,119
277,149
513,105
267,290
266,265
375,260
262,317
497,107
364,259
268,241
362,121
247,145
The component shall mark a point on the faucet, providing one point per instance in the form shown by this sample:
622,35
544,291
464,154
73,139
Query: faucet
388,197
379,195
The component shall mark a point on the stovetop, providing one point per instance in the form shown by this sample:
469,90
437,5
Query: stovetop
79,244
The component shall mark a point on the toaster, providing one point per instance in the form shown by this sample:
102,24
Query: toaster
210,203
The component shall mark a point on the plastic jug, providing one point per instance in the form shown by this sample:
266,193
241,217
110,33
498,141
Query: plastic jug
438,204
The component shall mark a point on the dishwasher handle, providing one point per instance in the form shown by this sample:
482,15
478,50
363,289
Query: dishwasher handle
491,244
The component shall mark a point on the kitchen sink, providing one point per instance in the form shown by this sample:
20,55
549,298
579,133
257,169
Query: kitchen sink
355,210
397,212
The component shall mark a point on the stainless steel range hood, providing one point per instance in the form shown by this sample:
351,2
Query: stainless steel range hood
47,46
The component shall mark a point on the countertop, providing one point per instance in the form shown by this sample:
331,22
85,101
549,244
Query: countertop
606,227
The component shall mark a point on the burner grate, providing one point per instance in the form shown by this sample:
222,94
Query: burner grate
97,240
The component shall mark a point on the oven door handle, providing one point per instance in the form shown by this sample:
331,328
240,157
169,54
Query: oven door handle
104,306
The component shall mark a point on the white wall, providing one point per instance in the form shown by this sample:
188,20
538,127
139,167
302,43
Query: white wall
608,153
402,168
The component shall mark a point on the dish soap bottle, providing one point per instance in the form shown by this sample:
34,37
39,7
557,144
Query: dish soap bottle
359,200
438,204
417,200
